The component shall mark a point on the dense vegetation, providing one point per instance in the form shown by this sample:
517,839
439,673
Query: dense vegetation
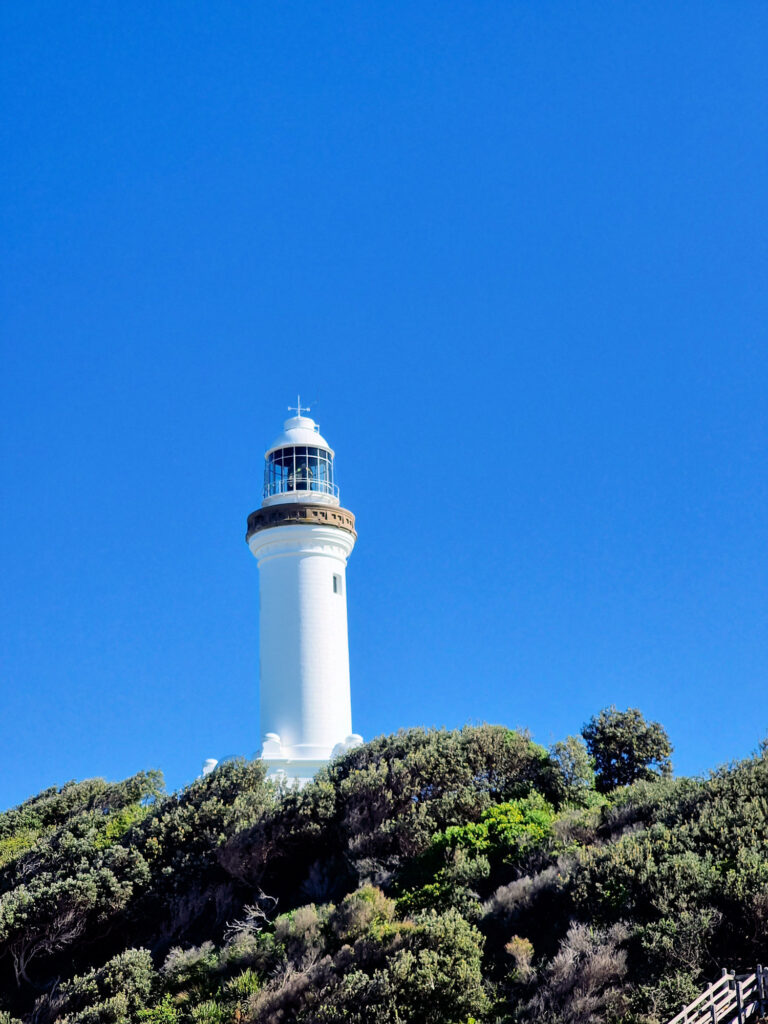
429,877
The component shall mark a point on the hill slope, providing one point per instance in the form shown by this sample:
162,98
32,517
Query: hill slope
425,877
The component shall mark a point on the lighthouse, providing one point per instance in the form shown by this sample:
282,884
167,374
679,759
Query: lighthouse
301,538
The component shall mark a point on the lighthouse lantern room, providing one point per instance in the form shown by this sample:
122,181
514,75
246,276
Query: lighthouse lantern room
302,538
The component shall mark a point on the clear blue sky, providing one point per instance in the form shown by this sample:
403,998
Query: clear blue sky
515,252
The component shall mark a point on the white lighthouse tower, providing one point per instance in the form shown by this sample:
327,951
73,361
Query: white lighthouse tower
301,538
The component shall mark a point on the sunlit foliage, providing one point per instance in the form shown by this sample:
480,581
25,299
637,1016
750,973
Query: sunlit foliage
431,877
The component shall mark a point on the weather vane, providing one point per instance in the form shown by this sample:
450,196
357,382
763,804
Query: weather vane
297,408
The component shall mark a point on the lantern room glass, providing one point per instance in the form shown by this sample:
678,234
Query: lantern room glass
299,468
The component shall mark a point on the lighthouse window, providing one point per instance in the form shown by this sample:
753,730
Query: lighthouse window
303,471
323,472
301,468
336,584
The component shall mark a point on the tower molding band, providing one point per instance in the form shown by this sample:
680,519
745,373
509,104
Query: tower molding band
270,516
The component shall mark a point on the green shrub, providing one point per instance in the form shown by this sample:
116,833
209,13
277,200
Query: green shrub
367,909
16,844
111,993
195,970
462,856
243,985
163,1012
573,771
508,830
119,823
209,1012
423,971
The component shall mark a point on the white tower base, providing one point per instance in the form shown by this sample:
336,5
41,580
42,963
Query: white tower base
298,771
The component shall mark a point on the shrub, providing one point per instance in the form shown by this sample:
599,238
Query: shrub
512,901
507,831
209,1012
119,823
462,856
17,844
163,1012
195,970
521,952
243,985
361,911
300,933
113,992
586,981
573,771
425,971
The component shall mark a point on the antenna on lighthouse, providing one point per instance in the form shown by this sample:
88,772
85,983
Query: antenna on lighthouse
298,407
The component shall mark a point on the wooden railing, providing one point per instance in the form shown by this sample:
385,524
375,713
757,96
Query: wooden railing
731,998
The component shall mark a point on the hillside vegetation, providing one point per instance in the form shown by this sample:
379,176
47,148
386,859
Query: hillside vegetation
429,877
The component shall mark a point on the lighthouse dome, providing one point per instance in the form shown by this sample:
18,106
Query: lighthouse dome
300,430
299,466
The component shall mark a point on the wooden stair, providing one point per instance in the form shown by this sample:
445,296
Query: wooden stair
733,997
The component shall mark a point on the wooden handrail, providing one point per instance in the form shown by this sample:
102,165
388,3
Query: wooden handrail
731,998
705,1001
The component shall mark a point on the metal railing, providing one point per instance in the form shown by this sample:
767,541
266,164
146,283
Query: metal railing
301,487
733,997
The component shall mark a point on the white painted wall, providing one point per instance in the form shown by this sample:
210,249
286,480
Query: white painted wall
305,695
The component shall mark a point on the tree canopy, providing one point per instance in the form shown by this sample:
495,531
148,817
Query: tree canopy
625,748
